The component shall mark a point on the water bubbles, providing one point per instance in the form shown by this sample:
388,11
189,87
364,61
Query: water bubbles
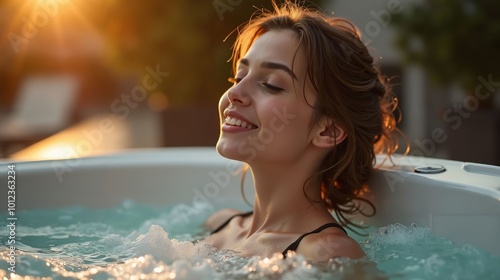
398,234
159,246
159,269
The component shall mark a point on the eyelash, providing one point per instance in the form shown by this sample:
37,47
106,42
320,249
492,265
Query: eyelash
236,80
272,88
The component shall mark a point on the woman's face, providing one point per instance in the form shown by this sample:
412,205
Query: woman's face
264,116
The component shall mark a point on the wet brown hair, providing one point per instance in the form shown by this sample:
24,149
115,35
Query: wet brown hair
351,92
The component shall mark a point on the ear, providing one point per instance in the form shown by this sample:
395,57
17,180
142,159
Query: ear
328,134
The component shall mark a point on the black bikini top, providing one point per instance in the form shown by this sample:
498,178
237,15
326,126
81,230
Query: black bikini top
295,244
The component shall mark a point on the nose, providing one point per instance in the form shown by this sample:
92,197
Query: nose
238,94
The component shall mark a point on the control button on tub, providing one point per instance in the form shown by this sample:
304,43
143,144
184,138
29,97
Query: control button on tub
430,169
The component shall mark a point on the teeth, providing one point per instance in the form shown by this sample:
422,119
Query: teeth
238,122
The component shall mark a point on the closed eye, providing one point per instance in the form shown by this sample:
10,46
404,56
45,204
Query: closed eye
270,87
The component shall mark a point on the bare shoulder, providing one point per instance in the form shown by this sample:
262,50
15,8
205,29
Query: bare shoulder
219,217
326,245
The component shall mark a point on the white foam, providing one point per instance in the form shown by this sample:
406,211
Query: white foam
181,218
156,242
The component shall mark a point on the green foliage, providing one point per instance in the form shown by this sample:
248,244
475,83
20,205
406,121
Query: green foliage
454,40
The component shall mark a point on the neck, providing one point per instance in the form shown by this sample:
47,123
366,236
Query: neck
281,204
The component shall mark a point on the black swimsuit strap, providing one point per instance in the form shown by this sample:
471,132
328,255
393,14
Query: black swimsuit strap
295,245
230,218
291,247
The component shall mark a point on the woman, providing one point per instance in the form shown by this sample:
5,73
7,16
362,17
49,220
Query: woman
307,112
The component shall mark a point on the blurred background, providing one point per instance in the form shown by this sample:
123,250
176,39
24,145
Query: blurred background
87,77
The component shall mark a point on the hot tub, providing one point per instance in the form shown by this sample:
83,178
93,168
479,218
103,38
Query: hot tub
456,200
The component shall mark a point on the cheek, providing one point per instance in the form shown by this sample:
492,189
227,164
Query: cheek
288,120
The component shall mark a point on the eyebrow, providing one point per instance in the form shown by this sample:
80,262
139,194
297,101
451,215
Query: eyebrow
271,65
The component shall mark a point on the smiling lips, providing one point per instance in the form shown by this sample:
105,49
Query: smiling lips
234,122
237,122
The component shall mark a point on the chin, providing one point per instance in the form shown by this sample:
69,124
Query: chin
231,150
226,149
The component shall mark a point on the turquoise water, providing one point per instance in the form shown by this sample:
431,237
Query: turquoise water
135,241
